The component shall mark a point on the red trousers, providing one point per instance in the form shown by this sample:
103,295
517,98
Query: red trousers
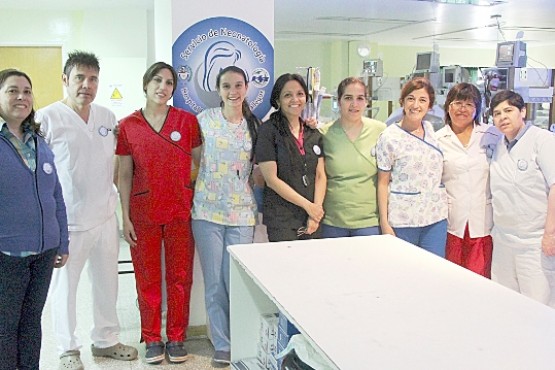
471,253
146,255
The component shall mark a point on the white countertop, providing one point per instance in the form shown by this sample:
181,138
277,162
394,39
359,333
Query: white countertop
380,303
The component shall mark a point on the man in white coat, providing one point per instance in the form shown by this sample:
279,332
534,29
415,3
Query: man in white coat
523,192
81,136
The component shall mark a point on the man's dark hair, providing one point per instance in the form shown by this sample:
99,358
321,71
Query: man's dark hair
81,58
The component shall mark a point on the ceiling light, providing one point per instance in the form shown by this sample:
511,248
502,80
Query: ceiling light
363,51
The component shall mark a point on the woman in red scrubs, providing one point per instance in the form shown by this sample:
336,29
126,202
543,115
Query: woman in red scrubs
156,147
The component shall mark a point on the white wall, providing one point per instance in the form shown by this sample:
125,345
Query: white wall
117,37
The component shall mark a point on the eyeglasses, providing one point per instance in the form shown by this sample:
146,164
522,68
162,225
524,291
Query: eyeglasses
461,105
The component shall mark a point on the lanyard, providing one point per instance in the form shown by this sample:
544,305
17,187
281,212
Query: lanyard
300,141
300,146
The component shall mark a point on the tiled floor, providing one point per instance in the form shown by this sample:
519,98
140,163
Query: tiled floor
199,347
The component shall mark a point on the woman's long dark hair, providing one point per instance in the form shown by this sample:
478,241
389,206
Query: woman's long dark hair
29,123
277,117
252,121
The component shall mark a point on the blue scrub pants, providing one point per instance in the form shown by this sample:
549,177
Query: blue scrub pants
431,238
329,231
211,241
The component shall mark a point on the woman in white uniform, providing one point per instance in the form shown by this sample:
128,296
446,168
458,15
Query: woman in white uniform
523,188
467,149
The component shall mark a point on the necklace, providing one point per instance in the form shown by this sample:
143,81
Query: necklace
236,120
418,131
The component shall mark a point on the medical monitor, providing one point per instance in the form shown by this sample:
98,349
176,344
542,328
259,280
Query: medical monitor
372,68
449,75
511,54
452,75
423,61
427,62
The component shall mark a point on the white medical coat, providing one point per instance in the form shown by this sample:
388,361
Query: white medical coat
520,183
466,179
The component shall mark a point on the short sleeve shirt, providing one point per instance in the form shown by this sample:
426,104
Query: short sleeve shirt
223,194
161,189
275,146
521,180
417,196
84,158
351,172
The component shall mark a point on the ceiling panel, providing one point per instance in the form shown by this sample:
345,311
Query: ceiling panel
417,22
398,22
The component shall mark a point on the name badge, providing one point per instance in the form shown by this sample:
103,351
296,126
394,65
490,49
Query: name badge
47,168
103,131
175,136
316,149
522,164
247,145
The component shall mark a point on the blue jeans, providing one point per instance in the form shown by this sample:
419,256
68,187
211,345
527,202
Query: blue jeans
211,241
431,238
329,231
24,283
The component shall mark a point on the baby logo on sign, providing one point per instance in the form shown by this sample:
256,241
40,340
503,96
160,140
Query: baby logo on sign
209,46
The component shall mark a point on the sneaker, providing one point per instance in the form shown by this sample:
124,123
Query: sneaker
155,353
222,357
176,352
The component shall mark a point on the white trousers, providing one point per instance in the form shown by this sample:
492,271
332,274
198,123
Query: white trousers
100,247
524,269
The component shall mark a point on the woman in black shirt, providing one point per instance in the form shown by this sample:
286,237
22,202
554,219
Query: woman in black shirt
291,159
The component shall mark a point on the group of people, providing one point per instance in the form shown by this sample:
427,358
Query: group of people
58,198
61,197
479,195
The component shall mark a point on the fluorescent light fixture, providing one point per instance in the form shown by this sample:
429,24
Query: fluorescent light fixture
468,2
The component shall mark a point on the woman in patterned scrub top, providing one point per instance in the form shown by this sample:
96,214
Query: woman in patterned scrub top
411,197
224,211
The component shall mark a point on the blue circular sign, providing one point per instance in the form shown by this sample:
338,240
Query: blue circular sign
207,47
